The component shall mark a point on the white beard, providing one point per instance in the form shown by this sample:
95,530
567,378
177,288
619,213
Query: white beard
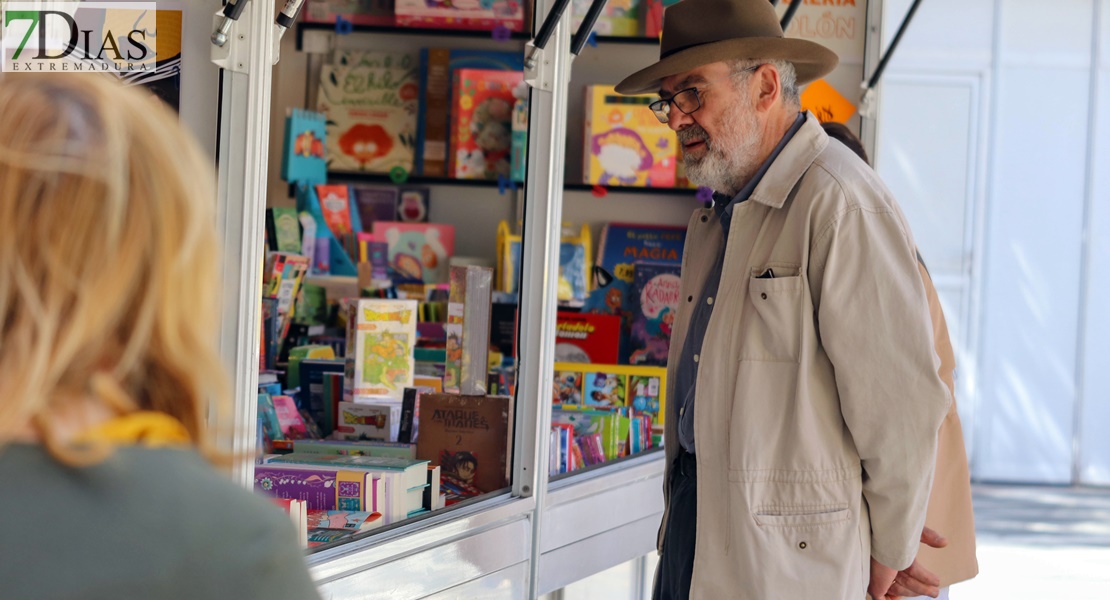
729,159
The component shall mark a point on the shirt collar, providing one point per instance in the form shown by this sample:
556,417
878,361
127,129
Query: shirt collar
724,205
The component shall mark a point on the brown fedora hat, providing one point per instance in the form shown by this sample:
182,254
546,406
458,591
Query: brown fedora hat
701,32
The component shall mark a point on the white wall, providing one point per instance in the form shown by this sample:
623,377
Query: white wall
983,135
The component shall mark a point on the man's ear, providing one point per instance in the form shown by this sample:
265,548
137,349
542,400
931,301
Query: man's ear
769,87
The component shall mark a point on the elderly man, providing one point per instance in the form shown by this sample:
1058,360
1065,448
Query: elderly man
802,432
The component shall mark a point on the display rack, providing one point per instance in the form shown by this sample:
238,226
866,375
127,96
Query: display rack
542,534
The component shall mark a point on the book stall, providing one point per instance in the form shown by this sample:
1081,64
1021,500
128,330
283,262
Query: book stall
458,255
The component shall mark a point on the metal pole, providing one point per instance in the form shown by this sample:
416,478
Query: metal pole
586,27
789,16
893,45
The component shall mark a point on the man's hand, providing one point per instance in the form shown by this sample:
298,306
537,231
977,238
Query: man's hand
882,577
915,580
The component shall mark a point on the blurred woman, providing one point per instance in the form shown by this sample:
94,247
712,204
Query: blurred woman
108,316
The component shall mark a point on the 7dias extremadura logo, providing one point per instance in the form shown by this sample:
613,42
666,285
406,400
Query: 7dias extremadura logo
66,35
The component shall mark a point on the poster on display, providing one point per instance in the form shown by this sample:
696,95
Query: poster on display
165,27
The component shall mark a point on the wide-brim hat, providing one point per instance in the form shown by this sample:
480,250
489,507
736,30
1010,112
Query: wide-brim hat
701,32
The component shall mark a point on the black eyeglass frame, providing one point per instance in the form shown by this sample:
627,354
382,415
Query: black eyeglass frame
662,107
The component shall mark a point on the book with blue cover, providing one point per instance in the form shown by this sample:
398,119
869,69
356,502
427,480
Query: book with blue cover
621,246
303,159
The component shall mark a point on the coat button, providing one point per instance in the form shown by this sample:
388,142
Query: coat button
704,218
709,301
689,298
803,545
763,295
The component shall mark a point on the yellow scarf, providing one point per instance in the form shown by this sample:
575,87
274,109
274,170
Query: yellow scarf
143,428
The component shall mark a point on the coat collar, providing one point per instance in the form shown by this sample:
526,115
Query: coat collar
794,160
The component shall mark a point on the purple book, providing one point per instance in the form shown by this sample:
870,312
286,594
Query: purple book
375,204
656,294
319,488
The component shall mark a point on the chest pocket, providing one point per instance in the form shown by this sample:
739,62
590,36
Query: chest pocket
774,331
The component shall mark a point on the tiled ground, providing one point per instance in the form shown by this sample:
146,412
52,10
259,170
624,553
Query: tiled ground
1040,543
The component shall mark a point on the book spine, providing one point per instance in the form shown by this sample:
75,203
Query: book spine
408,416
437,112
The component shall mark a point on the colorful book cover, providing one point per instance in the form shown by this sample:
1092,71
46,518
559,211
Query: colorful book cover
375,203
320,487
370,99
653,16
508,259
380,339
611,387
625,144
283,276
518,167
267,415
468,14
286,229
470,437
621,246
587,338
418,251
289,418
437,68
481,123
574,266
619,17
335,202
657,288
303,158
414,205
354,520
413,473
363,421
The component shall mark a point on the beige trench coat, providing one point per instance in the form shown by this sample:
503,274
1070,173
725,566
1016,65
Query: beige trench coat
818,399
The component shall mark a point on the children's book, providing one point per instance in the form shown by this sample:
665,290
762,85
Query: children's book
335,202
418,251
353,520
303,158
414,205
370,99
320,487
611,387
283,229
625,144
363,421
653,16
621,246
466,14
467,329
574,266
267,414
289,418
508,259
657,288
619,17
283,276
481,123
380,339
437,68
470,438
587,338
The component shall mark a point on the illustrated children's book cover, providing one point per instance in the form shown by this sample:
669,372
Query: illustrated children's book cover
370,99
303,157
437,72
481,117
619,17
587,338
609,387
467,330
470,437
460,14
657,288
626,145
621,246
418,251
380,339
358,421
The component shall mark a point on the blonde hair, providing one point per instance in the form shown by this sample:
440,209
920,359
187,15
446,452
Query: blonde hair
108,258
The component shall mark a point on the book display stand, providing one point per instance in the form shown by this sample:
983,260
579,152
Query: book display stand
541,532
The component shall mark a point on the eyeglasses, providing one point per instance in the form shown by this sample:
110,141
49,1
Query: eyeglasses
688,101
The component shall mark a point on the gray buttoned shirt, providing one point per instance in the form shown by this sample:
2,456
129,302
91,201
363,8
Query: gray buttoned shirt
686,374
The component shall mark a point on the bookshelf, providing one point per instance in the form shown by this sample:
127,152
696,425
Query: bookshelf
419,180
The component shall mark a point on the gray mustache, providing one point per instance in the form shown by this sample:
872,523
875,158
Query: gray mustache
693,132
